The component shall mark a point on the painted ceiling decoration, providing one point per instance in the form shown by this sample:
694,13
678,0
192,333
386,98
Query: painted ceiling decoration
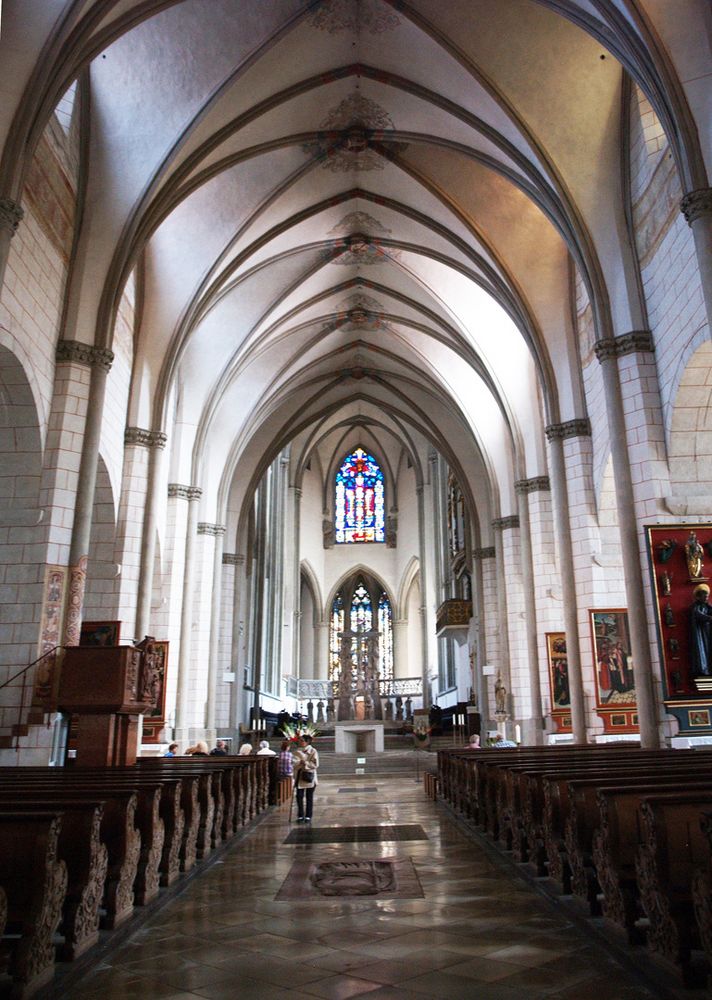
359,222
353,15
346,136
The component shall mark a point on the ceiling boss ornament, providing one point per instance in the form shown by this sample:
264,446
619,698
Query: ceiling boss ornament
345,138
355,247
353,15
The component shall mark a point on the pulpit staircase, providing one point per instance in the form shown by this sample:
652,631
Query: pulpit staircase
26,704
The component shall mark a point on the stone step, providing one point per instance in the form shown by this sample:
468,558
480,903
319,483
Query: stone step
375,763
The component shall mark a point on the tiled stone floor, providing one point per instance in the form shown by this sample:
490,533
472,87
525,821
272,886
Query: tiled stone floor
480,933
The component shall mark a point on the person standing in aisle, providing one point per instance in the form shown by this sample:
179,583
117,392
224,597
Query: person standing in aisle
306,763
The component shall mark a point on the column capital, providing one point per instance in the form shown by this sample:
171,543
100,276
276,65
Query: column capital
538,484
570,428
184,492
635,342
11,213
502,523
232,559
488,552
210,529
146,438
696,204
75,352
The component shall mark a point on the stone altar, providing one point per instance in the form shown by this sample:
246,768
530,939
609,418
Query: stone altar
359,736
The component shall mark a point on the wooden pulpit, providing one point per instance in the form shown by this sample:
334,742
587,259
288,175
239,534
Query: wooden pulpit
108,687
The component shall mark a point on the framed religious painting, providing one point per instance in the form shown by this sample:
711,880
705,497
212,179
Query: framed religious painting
559,681
154,721
613,667
100,634
680,558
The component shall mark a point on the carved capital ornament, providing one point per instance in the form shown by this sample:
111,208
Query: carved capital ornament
570,428
696,204
77,353
11,214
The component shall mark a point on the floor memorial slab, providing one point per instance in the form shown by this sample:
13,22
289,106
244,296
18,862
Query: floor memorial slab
382,878
355,834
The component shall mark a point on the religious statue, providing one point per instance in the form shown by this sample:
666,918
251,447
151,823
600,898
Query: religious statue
666,584
701,633
693,555
500,696
391,531
151,671
668,615
320,712
327,528
666,549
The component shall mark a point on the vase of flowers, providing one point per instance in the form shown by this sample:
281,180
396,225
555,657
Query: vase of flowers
421,738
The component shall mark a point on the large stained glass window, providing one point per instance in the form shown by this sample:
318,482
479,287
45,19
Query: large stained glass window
336,625
359,508
385,639
363,615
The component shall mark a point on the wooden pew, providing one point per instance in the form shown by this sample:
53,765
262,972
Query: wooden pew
702,890
118,832
148,818
35,884
673,847
80,848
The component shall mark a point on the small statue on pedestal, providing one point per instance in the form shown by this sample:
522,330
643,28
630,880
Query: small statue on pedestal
500,697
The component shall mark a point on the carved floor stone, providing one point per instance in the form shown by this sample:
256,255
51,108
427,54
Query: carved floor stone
384,878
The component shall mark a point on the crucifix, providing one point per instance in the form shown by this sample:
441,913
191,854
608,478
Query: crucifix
359,672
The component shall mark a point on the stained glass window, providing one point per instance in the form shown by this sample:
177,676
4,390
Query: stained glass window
385,639
359,508
336,625
362,618
361,609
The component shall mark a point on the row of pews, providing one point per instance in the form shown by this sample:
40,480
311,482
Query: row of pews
627,830
80,848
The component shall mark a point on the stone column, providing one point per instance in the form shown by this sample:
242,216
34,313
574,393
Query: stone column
11,213
524,488
483,594
295,501
321,651
425,665
607,352
237,657
218,532
510,605
556,434
696,206
155,441
401,665
100,360
192,494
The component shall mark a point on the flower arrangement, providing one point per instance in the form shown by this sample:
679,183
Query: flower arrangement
293,731
421,736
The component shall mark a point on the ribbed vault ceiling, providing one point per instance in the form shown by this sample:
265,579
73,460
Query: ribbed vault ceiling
348,210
